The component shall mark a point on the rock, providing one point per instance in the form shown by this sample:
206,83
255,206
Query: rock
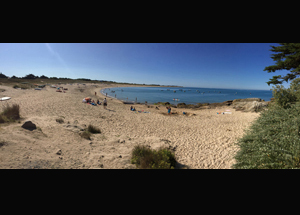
121,141
250,106
59,152
228,103
247,100
29,125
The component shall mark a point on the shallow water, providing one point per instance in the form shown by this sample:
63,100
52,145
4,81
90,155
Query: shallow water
188,95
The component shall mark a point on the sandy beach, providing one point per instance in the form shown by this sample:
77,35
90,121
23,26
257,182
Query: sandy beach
202,139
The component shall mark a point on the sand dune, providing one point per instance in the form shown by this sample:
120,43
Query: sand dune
203,140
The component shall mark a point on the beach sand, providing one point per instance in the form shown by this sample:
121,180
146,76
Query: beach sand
201,140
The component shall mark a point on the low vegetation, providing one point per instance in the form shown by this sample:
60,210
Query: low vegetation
94,130
89,131
86,135
60,120
10,113
273,141
146,158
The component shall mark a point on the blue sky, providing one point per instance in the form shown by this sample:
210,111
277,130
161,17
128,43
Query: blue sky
222,65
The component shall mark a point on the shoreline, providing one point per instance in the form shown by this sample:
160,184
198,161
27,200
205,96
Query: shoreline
187,105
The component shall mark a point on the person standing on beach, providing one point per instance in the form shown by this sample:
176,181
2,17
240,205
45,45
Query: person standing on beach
169,110
95,93
104,103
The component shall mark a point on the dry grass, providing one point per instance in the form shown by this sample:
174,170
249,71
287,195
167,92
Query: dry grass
94,130
86,135
10,113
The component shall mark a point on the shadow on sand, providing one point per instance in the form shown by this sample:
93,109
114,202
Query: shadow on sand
181,166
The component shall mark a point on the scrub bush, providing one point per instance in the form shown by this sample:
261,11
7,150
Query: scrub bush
146,158
273,140
287,97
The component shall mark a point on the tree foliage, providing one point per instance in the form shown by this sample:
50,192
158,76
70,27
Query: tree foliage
30,76
2,75
287,57
287,97
44,77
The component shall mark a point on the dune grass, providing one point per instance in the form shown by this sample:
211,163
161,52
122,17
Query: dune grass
93,129
10,113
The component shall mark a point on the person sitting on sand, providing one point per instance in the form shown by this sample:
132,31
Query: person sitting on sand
98,102
132,108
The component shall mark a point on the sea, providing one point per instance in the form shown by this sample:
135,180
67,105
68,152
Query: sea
187,95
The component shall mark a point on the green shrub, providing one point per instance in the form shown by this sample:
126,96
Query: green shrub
146,158
286,97
272,142
94,130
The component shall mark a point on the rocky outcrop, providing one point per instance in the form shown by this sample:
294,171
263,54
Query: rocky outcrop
247,100
249,105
